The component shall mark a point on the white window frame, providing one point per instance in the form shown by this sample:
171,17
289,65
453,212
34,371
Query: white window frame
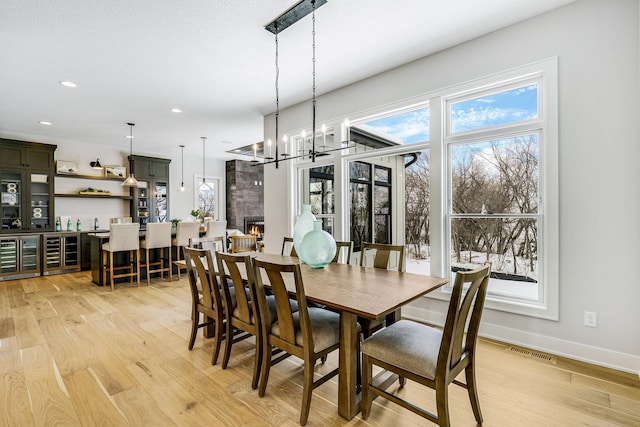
217,182
543,73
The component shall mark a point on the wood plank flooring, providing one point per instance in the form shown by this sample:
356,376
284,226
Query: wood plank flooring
72,353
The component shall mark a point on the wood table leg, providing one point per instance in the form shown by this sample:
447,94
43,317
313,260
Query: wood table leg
348,398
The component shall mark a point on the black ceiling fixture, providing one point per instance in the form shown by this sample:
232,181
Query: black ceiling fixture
293,15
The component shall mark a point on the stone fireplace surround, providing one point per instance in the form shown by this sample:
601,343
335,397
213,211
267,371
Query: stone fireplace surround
244,194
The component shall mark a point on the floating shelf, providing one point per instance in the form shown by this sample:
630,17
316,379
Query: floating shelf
95,196
98,177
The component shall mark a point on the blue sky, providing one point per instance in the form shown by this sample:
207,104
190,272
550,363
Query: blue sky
490,110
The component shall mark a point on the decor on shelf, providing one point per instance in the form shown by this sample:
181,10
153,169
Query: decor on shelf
112,171
318,247
96,164
95,191
182,167
304,224
291,16
131,180
197,214
65,167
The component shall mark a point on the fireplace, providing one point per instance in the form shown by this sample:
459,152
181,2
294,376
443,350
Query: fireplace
254,225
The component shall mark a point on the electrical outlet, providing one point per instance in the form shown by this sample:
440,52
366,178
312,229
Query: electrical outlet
591,319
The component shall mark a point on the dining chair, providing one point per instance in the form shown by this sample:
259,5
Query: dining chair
287,247
205,296
122,238
157,236
309,333
348,247
244,317
185,231
245,243
431,356
383,257
216,229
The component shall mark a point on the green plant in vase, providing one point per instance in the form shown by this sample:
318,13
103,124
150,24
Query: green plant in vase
197,214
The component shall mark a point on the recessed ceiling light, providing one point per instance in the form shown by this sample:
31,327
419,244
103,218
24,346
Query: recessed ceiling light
42,122
68,84
176,110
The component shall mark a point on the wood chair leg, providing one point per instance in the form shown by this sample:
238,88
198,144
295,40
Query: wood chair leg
111,270
442,403
473,392
178,258
307,391
366,383
147,266
257,363
138,266
217,340
195,316
264,369
228,342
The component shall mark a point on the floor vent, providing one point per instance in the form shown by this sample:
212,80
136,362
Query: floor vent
532,354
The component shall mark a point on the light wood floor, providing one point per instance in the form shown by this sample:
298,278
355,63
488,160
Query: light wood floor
72,353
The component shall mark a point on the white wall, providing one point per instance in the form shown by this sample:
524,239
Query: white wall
181,203
597,45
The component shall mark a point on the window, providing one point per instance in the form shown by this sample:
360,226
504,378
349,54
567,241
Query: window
321,195
208,196
495,140
360,195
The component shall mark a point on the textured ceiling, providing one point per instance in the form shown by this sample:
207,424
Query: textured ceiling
134,60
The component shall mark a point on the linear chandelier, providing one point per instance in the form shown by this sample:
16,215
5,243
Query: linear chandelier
291,16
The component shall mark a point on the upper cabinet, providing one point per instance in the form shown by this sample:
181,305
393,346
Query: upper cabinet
149,167
26,186
150,200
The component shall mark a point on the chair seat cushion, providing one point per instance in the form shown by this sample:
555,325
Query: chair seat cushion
325,328
408,345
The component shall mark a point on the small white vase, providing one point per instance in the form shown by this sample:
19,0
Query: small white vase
304,224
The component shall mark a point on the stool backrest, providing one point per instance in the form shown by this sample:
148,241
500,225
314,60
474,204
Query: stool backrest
158,235
187,230
124,237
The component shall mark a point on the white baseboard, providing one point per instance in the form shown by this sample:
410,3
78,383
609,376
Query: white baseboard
569,349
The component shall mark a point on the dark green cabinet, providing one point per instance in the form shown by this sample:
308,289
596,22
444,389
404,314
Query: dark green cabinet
26,186
150,200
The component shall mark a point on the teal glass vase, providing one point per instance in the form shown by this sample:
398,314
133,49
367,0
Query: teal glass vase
304,224
318,247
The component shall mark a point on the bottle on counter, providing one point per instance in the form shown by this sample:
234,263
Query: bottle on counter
69,226
58,225
78,225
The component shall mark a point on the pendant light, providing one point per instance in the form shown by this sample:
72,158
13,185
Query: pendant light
203,186
131,180
182,168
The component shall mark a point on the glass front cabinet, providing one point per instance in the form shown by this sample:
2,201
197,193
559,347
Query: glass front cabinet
26,186
150,201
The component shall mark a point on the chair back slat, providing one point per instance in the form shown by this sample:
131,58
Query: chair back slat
461,306
228,265
287,247
348,247
278,275
382,255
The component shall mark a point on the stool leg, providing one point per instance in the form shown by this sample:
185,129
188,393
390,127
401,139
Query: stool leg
147,265
179,258
138,266
170,265
111,270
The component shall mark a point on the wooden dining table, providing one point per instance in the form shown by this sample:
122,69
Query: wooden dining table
356,291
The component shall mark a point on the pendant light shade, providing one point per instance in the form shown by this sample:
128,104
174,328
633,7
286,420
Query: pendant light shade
131,180
182,168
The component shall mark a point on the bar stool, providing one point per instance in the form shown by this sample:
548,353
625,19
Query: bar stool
157,236
122,237
215,229
184,232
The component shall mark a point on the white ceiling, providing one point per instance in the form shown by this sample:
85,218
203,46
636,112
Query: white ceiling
134,60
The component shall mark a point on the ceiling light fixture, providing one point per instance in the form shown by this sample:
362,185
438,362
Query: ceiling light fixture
96,164
42,122
291,16
131,180
176,110
182,168
68,84
203,186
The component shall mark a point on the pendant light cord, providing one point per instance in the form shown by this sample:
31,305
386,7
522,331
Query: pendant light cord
204,138
277,95
313,46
